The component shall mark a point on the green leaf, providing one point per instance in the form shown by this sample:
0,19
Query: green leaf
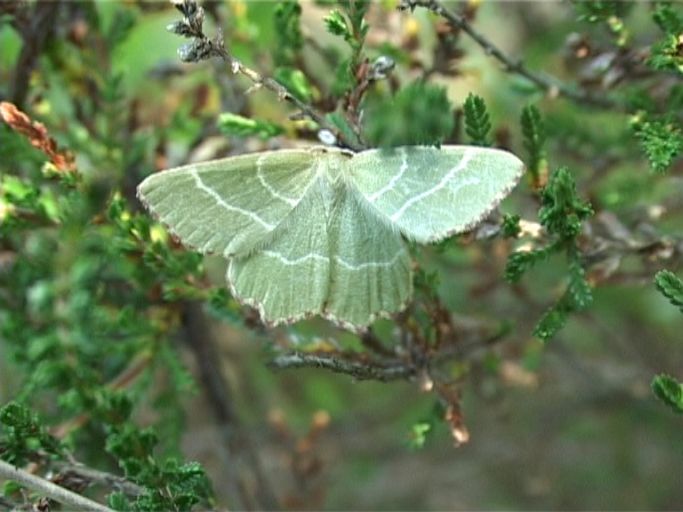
671,287
533,131
562,211
336,24
17,190
295,82
22,437
552,320
477,122
510,226
419,434
521,261
233,124
667,54
667,18
118,501
669,391
579,289
660,139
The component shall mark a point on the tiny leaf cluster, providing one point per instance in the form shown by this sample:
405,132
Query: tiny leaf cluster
477,121
561,214
666,388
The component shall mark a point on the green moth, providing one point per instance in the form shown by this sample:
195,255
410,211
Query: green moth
321,231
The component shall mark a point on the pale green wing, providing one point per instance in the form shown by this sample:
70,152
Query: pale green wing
288,279
429,193
371,270
229,206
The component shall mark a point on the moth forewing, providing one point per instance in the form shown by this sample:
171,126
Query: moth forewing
229,206
432,193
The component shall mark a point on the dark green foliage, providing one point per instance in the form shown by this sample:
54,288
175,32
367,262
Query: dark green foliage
521,261
336,24
289,39
561,210
561,214
477,122
168,485
669,391
554,319
534,135
594,11
23,438
667,53
661,136
577,296
660,139
511,227
665,387
233,124
667,18
578,288
89,287
671,287
419,113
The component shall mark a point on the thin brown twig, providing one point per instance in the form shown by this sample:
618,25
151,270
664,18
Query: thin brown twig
202,47
283,94
67,470
357,369
552,85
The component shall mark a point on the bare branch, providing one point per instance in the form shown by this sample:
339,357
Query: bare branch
202,47
357,369
71,500
548,83
283,94
94,476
